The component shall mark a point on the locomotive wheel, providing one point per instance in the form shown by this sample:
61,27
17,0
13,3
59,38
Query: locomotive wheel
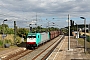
27,47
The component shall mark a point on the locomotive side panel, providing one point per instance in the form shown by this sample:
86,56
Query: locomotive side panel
44,37
38,38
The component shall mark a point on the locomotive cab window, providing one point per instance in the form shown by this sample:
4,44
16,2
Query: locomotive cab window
31,36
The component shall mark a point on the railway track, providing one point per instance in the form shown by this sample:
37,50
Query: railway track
15,54
11,53
44,51
48,51
20,55
40,53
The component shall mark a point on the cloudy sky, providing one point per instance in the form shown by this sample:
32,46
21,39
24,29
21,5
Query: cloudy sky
24,12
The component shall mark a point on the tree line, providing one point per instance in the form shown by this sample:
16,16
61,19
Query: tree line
22,32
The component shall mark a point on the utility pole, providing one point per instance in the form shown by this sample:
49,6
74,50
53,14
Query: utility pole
30,28
89,28
68,32
36,22
3,32
85,35
85,48
77,33
14,32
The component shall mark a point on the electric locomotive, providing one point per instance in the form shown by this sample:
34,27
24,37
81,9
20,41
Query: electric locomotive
35,39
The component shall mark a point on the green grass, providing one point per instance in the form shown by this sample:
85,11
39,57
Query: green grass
81,41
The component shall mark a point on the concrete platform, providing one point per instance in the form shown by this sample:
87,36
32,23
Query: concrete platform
75,53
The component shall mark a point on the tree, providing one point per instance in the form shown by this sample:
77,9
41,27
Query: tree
5,27
22,32
72,27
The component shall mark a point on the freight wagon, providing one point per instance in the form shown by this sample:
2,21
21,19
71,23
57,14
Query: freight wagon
35,39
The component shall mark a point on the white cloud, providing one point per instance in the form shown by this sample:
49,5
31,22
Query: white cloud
20,10
67,0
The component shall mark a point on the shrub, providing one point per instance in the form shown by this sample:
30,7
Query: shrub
1,43
88,38
8,41
18,39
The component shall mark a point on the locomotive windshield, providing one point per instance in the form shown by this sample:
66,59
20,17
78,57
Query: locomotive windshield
31,36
